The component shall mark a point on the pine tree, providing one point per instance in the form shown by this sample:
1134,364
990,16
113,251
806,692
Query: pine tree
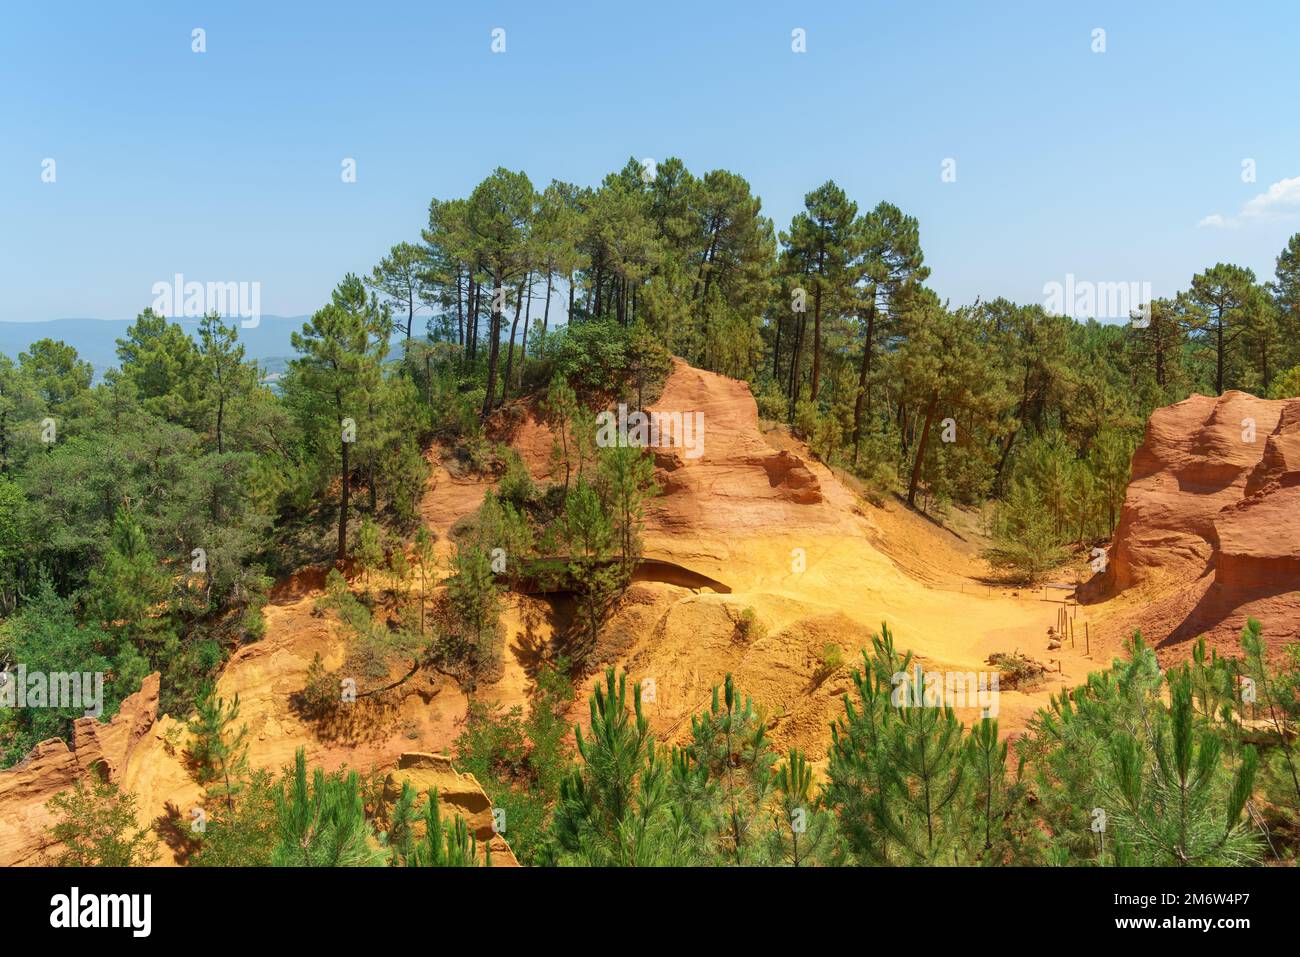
730,742
613,809
343,346
97,825
1184,808
859,775
926,773
221,363
589,536
58,375
826,239
398,277
1124,778
445,845
1217,303
559,408
803,833
1276,698
218,754
994,800
498,220
475,599
893,268
369,549
626,479
400,836
323,824
128,589
426,559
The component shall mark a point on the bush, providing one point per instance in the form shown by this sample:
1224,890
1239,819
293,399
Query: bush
516,486
748,627
832,659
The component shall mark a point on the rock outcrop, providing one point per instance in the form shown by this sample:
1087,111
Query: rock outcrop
459,795
1210,530
97,747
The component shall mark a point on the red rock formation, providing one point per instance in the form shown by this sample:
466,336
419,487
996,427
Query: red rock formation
1210,530
52,767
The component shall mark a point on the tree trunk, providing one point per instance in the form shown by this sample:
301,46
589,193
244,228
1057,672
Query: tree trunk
471,320
817,341
343,500
863,375
494,349
1006,449
221,414
460,315
510,355
1218,374
546,312
795,358
776,351
370,464
920,449
523,340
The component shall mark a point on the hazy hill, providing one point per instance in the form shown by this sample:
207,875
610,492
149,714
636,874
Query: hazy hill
96,339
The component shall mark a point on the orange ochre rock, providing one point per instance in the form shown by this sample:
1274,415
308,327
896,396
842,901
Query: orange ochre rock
52,766
1210,530
459,795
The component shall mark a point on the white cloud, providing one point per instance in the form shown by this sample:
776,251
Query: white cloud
1280,201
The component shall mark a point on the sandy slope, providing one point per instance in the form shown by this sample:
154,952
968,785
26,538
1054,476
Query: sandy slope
818,566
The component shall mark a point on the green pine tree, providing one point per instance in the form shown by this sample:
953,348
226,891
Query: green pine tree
218,754
323,823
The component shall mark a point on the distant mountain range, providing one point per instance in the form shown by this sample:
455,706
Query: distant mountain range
96,339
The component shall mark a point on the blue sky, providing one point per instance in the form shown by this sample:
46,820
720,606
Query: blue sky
226,165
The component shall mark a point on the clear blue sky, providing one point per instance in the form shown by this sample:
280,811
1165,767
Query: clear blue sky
225,165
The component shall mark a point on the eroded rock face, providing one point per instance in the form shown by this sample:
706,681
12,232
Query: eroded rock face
459,795
1211,522
737,483
52,767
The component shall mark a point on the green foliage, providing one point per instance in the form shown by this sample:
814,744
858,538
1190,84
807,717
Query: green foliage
803,832
369,548
625,480
45,637
729,743
474,601
589,535
218,754
323,823
613,810
1275,694
521,759
908,782
1122,778
97,824
245,835
444,844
